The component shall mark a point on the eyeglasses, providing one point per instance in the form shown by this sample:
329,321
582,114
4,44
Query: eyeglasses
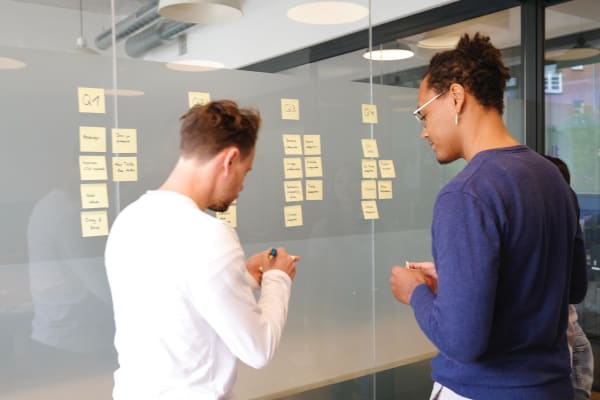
417,113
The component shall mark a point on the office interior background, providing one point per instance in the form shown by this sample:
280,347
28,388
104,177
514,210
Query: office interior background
346,337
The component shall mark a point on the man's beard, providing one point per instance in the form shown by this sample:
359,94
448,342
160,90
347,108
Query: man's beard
222,207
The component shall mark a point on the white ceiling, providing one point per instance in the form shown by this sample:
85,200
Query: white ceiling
94,6
265,32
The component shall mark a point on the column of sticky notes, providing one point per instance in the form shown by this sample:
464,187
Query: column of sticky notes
376,182
302,166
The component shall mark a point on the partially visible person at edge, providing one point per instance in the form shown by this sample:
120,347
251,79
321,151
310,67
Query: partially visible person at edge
182,292
507,248
582,357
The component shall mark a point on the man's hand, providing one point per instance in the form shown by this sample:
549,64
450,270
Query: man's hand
260,263
403,282
428,268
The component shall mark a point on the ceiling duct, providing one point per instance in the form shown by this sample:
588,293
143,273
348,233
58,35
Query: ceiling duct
143,17
154,36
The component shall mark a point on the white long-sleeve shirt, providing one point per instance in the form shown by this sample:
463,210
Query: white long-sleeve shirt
183,302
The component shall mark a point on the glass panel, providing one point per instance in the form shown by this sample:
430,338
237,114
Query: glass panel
402,232
572,93
56,325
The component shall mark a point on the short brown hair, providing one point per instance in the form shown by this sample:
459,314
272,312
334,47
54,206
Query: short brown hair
207,129
477,65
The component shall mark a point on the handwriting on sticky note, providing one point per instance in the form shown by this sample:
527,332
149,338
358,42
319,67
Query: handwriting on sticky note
292,145
124,169
94,195
198,98
92,168
292,168
312,145
369,147
91,100
290,109
369,208
293,191
313,167
369,169
369,113
314,189
368,189
384,190
92,139
94,223
386,167
124,140
292,216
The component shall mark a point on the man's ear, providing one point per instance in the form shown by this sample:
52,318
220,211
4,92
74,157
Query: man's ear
457,92
230,155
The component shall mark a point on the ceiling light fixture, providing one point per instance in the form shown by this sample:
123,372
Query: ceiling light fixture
389,52
195,65
580,51
439,42
327,12
200,11
11,63
81,44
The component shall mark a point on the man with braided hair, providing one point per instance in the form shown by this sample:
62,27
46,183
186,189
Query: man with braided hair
508,255
182,292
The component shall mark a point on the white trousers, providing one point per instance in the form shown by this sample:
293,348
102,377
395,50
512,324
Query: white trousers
440,392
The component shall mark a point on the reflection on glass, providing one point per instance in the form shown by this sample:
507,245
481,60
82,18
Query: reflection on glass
572,129
72,323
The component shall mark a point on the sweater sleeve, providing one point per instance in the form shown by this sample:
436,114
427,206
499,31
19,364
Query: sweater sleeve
465,240
251,329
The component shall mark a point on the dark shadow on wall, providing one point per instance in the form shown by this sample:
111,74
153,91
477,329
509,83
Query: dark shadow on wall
411,381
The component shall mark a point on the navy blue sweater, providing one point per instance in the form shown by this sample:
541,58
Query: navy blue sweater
510,258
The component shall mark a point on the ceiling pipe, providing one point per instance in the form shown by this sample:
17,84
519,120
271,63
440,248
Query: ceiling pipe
154,36
143,17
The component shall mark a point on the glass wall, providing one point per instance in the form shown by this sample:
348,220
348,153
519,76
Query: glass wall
77,75
572,98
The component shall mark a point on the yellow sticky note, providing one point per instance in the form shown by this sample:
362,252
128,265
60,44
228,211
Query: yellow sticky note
292,168
92,168
369,208
292,216
386,167
229,216
368,189
292,145
384,189
369,113
313,167
124,169
198,98
369,169
94,223
92,139
94,195
290,109
314,189
91,100
293,191
369,147
124,140
312,145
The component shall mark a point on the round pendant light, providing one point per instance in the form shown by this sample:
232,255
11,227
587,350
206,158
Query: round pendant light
204,12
